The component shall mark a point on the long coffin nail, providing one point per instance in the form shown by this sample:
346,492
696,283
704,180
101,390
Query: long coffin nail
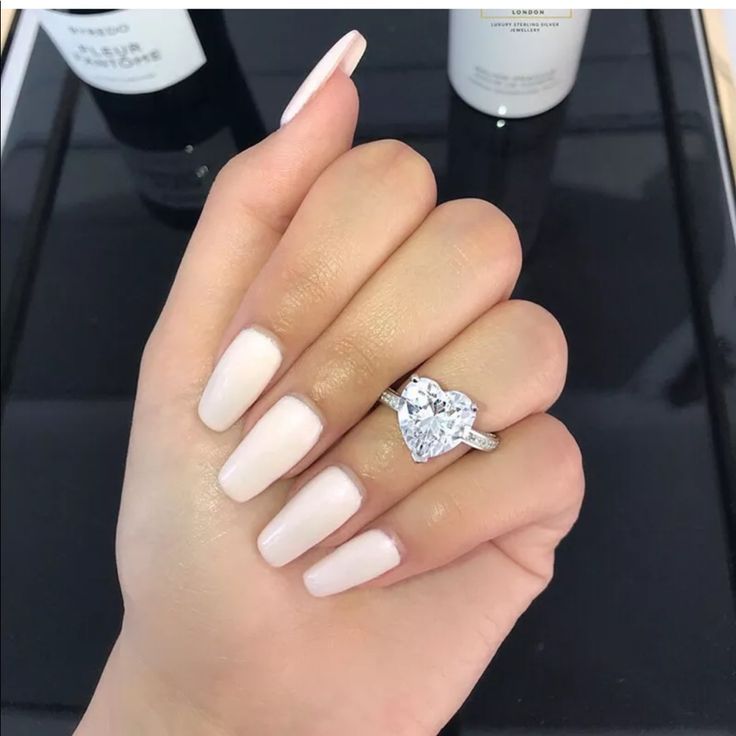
278,441
324,504
244,370
344,55
361,559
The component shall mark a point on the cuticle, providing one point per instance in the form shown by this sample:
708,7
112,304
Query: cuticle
354,477
268,334
311,405
396,540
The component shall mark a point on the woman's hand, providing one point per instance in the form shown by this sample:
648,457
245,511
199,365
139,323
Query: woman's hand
317,277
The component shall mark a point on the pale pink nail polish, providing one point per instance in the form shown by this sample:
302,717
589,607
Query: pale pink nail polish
359,560
277,442
239,378
320,507
344,55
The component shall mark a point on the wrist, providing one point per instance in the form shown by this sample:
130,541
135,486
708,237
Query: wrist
131,699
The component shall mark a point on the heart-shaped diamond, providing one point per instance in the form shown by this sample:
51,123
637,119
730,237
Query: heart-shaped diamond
432,421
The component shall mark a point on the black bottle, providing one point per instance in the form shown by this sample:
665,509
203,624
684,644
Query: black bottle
170,88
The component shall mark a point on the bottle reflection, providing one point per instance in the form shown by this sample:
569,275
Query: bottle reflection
507,162
176,140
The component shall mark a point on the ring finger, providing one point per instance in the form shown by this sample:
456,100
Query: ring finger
511,362
531,486
464,258
331,247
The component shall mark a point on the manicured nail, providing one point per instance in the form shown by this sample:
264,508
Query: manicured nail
321,506
240,376
278,441
361,559
344,55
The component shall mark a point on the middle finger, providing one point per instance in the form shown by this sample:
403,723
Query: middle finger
464,258
511,361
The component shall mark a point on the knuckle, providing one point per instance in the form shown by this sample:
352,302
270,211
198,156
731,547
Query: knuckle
415,170
383,153
544,334
231,174
155,368
482,234
567,482
304,284
151,351
158,362
236,187
466,211
451,510
394,159
348,360
359,354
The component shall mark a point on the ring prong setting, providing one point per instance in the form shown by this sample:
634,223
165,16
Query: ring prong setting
434,421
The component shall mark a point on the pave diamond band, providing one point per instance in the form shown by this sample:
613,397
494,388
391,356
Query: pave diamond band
434,421
391,399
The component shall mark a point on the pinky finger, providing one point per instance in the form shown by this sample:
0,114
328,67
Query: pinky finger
534,476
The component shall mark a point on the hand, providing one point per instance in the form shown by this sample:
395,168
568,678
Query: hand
324,275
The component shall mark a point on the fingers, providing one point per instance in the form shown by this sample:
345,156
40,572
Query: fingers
333,244
462,259
251,203
511,362
468,606
535,474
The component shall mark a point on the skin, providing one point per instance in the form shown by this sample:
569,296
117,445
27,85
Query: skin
342,255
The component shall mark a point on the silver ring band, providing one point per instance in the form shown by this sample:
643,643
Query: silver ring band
484,441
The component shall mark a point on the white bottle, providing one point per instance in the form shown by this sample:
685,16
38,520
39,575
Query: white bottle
515,63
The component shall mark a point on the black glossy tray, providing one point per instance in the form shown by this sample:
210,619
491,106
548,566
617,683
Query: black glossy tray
620,199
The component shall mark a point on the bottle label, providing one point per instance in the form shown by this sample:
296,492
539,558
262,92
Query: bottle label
543,14
515,63
127,51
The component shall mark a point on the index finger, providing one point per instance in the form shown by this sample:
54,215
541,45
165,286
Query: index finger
251,203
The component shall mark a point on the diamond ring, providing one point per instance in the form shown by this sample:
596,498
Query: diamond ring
434,421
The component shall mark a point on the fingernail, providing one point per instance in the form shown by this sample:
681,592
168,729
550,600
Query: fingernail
321,506
278,441
244,370
361,559
345,55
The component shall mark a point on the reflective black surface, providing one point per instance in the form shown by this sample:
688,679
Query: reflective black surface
621,207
